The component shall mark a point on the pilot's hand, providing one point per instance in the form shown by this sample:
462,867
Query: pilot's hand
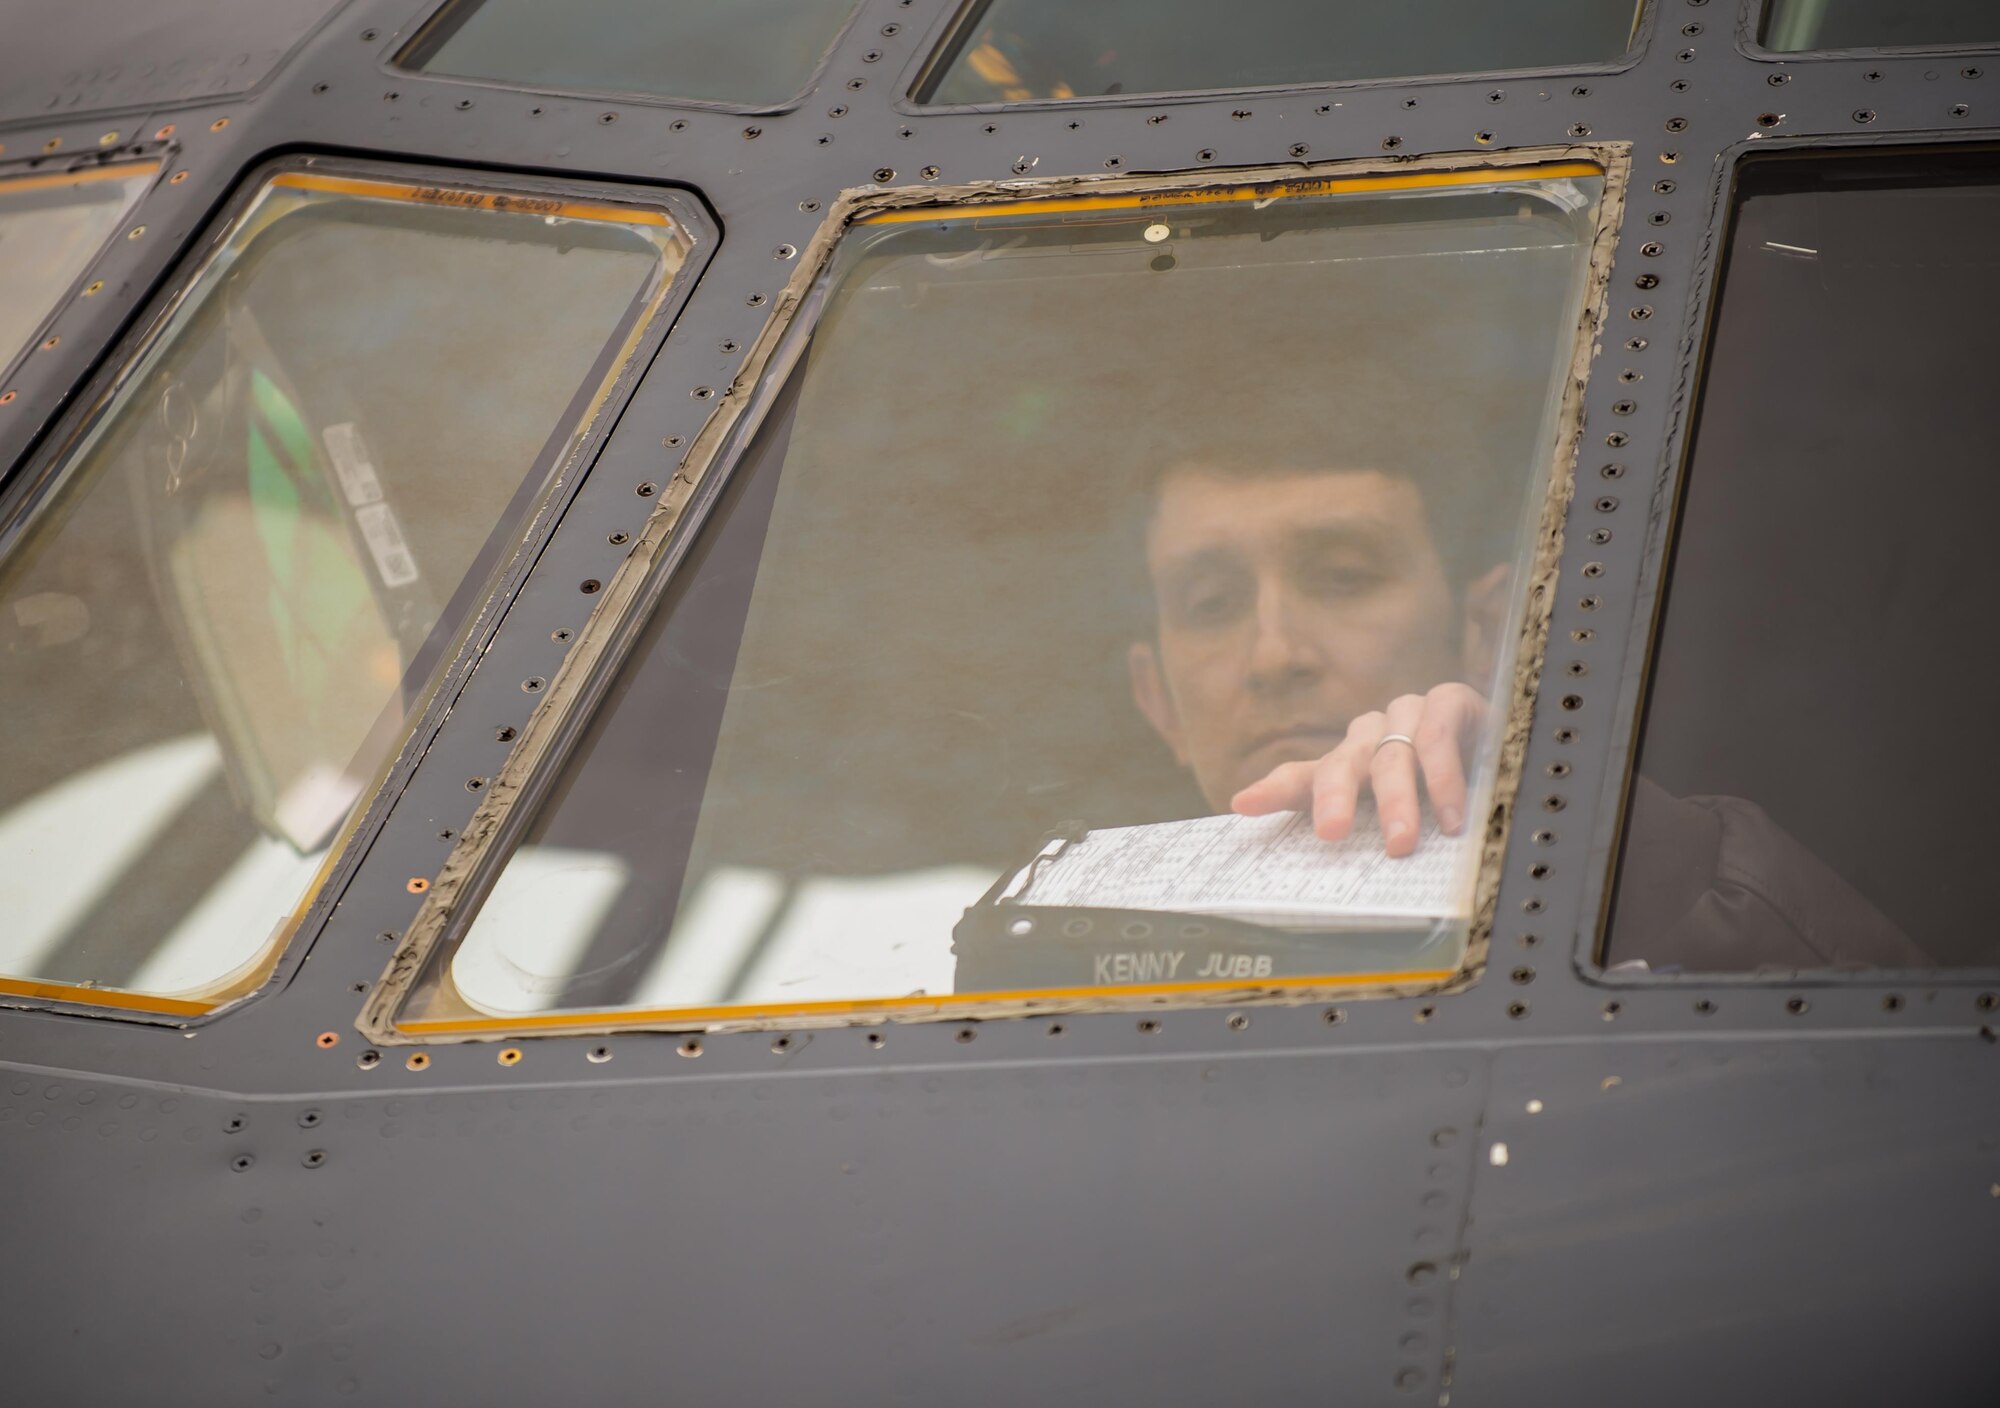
1443,726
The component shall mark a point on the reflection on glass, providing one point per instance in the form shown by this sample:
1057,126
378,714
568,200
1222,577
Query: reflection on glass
1812,777
1793,25
748,53
248,568
51,226
1014,50
1080,517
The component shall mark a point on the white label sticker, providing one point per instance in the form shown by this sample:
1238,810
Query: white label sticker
351,463
386,542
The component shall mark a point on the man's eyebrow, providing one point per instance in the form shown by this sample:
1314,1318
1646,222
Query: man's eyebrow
1209,558
1366,530
1370,531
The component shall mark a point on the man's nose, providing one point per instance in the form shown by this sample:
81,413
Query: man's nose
1283,655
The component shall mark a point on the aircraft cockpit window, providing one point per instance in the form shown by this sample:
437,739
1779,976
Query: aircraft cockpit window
741,53
1011,51
52,224
1793,26
1812,778
241,575
1122,603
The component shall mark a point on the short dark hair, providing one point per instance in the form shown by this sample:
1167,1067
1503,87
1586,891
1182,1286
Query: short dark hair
1472,464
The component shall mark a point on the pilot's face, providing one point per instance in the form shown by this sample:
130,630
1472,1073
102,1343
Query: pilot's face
1287,604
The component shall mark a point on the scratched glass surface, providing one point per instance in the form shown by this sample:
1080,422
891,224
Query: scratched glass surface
1016,50
1812,823
51,226
217,620
1074,521
750,53
1793,25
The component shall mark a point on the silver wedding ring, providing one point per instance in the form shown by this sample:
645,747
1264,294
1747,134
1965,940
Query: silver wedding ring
1389,738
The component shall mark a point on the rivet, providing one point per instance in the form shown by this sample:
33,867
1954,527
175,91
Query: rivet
164,133
417,1060
416,884
135,232
509,1056
326,1041
218,124
597,1055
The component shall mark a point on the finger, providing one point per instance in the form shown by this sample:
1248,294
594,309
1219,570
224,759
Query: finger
1392,771
1438,738
1341,776
1287,787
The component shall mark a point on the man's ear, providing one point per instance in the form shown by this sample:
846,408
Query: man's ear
1149,692
1486,620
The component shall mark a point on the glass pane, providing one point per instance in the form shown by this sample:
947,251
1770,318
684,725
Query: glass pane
1014,50
1806,796
51,226
219,618
751,53
1792,25
1082,517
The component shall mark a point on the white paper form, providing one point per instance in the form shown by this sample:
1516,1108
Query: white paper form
1262,870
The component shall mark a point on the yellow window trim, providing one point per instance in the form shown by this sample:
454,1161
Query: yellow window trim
1324,186
941,1005
117,171
464,198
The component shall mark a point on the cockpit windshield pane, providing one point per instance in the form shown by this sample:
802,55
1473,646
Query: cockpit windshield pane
1011,51
747,53
1806,793
1087,530
250,563
1794,25
52,224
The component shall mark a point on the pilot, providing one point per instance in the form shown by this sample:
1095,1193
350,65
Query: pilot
1324,632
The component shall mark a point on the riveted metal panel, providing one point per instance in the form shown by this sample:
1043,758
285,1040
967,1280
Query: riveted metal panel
466,1235
1775,1221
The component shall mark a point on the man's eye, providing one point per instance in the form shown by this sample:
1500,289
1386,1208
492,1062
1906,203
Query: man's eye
1336,579
1212,605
